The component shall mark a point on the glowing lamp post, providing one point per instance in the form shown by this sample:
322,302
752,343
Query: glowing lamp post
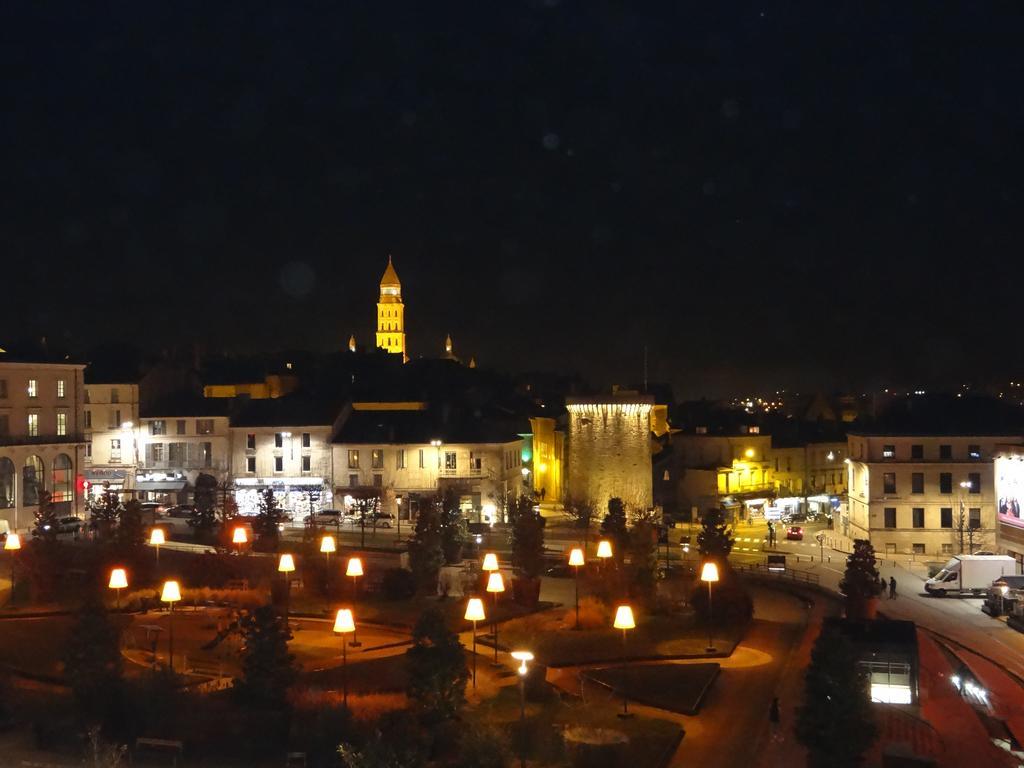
490,562
522,657
170,595
709,574
118,581
343,625
475,613
156,539
604,552
286,565
624,621
12,545
239,538
355,570
576,560
495,585
327,546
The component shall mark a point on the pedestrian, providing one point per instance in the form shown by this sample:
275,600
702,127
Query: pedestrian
892,587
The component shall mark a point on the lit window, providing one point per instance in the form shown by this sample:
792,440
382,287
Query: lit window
115,451
62,424
33,388
974,451
60,388
377,458
888,451
33,425
353,459
400,458
158,427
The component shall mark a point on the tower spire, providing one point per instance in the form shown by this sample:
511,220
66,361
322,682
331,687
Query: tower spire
391,313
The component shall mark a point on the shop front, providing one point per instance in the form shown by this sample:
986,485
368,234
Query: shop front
1009,475
98,481
298,496
163,487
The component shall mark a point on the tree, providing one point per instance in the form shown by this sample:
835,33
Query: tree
436,664
92,662
268,669
527,539
45,527
715,540
453,527
267,522
860,580
204,511
425,553
582,511
614,527
643,560
835,722
379,753
130,532
104,513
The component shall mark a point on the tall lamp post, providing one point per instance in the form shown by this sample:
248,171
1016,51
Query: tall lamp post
286,565
475,613
343,625
355,570
522,657
489,566
495,585
239,538
624,620
964,486
576,560
604,552
709,575
170,595
118,581
156,539
12,545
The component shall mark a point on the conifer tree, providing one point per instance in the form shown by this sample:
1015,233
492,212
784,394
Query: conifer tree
45,528
425,553
437,669
715,540
268,669
860,580
268,520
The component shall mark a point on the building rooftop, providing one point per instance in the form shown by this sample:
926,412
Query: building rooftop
186,405
418,426
289,411
944,416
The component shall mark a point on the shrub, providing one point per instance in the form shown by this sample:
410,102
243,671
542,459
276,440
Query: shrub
594,614
483,747
398,584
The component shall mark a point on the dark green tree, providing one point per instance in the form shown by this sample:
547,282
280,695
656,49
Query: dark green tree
453,527
836,721
643,561
266,524
268,669
582,511
436,665
204,510
613,527
425,553
379,752
130,533
527,539
860,580
45,528
104,513
92,662
715,539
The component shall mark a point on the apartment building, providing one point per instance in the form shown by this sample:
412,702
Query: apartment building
111,416
41,440
923,494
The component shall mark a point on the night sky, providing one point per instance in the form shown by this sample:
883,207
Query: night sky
766,194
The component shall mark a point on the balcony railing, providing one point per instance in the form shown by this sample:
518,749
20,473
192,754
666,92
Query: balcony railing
463,472
186,464
73,437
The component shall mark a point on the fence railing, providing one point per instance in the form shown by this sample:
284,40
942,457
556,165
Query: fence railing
762,570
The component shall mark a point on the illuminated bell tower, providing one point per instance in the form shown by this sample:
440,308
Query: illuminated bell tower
391,314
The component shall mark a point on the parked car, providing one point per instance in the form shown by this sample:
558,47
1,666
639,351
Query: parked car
795,533
176,519
380,519
333,517
795,517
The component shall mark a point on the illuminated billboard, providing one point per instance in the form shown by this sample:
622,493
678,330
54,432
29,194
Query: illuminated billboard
1009,471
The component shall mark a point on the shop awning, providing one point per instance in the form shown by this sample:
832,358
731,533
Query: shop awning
99,475
169,485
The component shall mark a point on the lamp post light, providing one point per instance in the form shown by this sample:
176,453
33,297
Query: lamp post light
239,538
495,585
343,624
475,613
12,544
489,565
709,575
118,581
522,657
965,485
624,620
604,551
156,538
576,560
286,565
355,570
170,595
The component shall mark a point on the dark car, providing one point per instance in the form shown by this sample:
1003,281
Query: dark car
795,533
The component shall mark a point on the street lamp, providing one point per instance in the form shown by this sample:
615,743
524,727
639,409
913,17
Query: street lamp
240,538
12,545
604,553
156,538
964,485
170,595
495,585
576,560
709,574
475,613
286,565
343,624
355,570
490,562
522,657
624,621
118,581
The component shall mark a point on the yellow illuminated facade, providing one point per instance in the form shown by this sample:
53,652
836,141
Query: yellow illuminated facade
391,314
548,458
271,387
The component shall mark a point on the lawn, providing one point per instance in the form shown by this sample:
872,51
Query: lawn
384,675
35,647
673,687
669,636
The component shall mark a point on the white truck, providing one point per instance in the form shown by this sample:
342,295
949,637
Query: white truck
970,575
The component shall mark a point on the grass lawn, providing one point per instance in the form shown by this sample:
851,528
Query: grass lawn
383,675
655,636
674,687
36,646
650,739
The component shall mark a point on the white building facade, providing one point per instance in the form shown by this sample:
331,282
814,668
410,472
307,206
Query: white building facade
175,447
111,419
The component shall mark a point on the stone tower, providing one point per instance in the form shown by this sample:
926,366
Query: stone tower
391,314
610,449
